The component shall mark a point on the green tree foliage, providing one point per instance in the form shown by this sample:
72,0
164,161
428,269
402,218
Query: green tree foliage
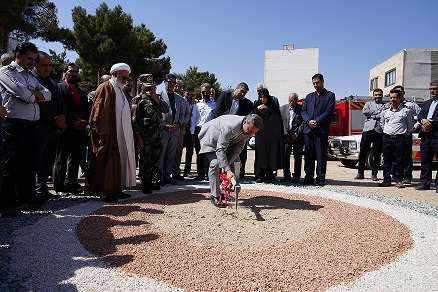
26,19
110,37
193,78
60,61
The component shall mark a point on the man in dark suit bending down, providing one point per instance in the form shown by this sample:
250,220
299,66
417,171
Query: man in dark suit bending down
317,111
234,102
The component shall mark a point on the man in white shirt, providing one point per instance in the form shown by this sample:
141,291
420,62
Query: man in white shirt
202,112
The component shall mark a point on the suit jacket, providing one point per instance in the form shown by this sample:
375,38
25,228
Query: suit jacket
53,108
319,108
297,122
180,109
433,133
74,112
224,135
224,101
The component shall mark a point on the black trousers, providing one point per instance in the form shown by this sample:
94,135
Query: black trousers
368,138
17,161
48,143
429,148
297,149
70,154
407,158
201,160
316,149
188,144
393,149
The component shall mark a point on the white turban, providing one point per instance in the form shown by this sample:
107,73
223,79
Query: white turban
120,67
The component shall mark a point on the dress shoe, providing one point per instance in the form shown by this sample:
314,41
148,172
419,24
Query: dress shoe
385,184
259,180
295,180
308,181
123,195
374,177
400,185
178,177
48,195
359,176
73,189
146,190
422,187
320,183
216,202
407,181
286,179
155,187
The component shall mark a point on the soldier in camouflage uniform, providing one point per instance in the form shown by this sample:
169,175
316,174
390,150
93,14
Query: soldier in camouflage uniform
148,108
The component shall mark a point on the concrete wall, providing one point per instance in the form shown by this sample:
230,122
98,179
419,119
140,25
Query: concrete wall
290,71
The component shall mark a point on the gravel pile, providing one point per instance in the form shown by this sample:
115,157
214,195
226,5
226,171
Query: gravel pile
200,248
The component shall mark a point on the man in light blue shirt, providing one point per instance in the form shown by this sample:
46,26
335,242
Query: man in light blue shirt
21,94
397,123
407,154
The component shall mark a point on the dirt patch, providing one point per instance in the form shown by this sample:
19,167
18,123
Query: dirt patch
275,242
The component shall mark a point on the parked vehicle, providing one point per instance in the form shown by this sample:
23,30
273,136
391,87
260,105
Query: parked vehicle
346,133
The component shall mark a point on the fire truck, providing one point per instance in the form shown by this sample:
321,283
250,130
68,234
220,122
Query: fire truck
346,132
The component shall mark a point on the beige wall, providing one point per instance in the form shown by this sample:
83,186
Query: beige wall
396,61
290,71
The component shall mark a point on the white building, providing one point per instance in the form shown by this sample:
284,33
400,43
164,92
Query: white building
290,70
414,69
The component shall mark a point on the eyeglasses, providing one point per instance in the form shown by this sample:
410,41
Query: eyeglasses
171,81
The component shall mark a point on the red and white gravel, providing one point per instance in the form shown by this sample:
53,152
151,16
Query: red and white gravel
281,239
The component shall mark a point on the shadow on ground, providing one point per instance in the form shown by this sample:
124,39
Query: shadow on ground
260,203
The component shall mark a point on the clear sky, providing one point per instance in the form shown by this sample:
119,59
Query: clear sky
229,38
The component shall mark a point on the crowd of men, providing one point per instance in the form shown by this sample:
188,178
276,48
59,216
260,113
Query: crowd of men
50,129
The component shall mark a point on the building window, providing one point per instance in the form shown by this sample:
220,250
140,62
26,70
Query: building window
390,78
374,83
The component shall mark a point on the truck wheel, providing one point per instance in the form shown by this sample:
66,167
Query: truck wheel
349,163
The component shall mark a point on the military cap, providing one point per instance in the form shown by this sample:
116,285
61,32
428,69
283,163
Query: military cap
146,79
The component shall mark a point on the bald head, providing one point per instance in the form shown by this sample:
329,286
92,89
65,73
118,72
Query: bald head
104,78
293,98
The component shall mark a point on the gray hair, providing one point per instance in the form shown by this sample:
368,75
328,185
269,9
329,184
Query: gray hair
206,84
6,59
255,120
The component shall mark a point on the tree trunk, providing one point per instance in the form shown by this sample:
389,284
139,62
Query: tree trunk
4,40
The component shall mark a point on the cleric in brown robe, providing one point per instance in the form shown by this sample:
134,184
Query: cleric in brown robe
112,163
